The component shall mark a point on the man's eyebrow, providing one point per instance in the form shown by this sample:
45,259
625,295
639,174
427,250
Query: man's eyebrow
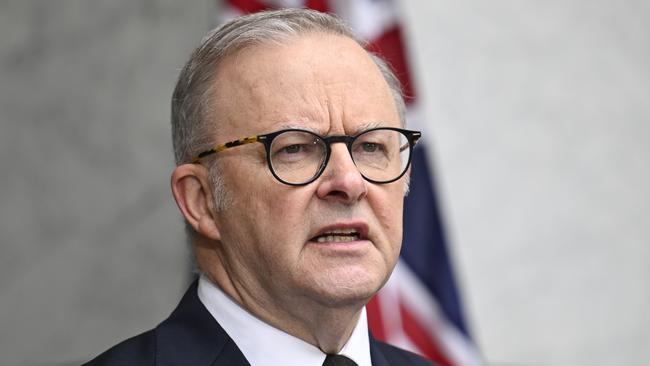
298,127
366,126
359,129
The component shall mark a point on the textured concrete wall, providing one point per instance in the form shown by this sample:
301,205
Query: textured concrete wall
92,247
538,123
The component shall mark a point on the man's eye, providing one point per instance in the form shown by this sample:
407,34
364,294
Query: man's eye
370,147
292,149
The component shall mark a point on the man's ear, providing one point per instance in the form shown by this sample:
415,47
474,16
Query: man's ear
193,194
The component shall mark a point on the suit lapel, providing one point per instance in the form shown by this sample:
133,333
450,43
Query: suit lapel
191,336
377,357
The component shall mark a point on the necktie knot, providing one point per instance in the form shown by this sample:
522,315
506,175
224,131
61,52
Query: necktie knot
338,360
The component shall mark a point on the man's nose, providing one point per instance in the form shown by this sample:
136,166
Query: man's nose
341,180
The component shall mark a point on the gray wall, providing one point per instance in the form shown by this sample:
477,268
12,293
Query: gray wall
540,125
92,247
539,132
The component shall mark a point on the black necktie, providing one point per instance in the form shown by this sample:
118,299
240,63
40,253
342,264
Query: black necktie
338,360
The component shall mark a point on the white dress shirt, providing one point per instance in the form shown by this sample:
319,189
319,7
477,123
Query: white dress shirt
265,345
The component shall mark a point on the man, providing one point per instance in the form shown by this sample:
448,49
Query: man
292,166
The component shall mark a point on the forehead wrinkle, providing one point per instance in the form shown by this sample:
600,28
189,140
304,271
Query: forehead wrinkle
295,105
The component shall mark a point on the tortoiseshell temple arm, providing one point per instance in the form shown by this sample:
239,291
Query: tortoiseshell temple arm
227,145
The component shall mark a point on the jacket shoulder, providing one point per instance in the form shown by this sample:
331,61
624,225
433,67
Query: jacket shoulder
138,350
398,356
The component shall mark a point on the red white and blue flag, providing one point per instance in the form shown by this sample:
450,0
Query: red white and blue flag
419,309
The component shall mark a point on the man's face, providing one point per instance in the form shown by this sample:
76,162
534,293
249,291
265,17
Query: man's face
329,85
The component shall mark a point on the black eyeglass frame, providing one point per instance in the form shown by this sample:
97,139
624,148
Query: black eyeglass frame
267,140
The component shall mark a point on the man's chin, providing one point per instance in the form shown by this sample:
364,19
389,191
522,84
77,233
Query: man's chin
348,292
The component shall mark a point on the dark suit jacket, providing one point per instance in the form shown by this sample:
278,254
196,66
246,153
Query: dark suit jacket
191,336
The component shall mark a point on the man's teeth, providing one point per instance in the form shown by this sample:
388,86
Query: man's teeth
338,236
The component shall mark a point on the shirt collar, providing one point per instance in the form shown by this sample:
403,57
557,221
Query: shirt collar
263,344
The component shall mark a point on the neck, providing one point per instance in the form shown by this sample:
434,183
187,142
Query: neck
325,326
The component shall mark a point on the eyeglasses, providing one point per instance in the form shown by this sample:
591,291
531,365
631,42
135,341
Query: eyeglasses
298,157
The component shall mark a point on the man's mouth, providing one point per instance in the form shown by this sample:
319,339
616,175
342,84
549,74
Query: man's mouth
337,236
